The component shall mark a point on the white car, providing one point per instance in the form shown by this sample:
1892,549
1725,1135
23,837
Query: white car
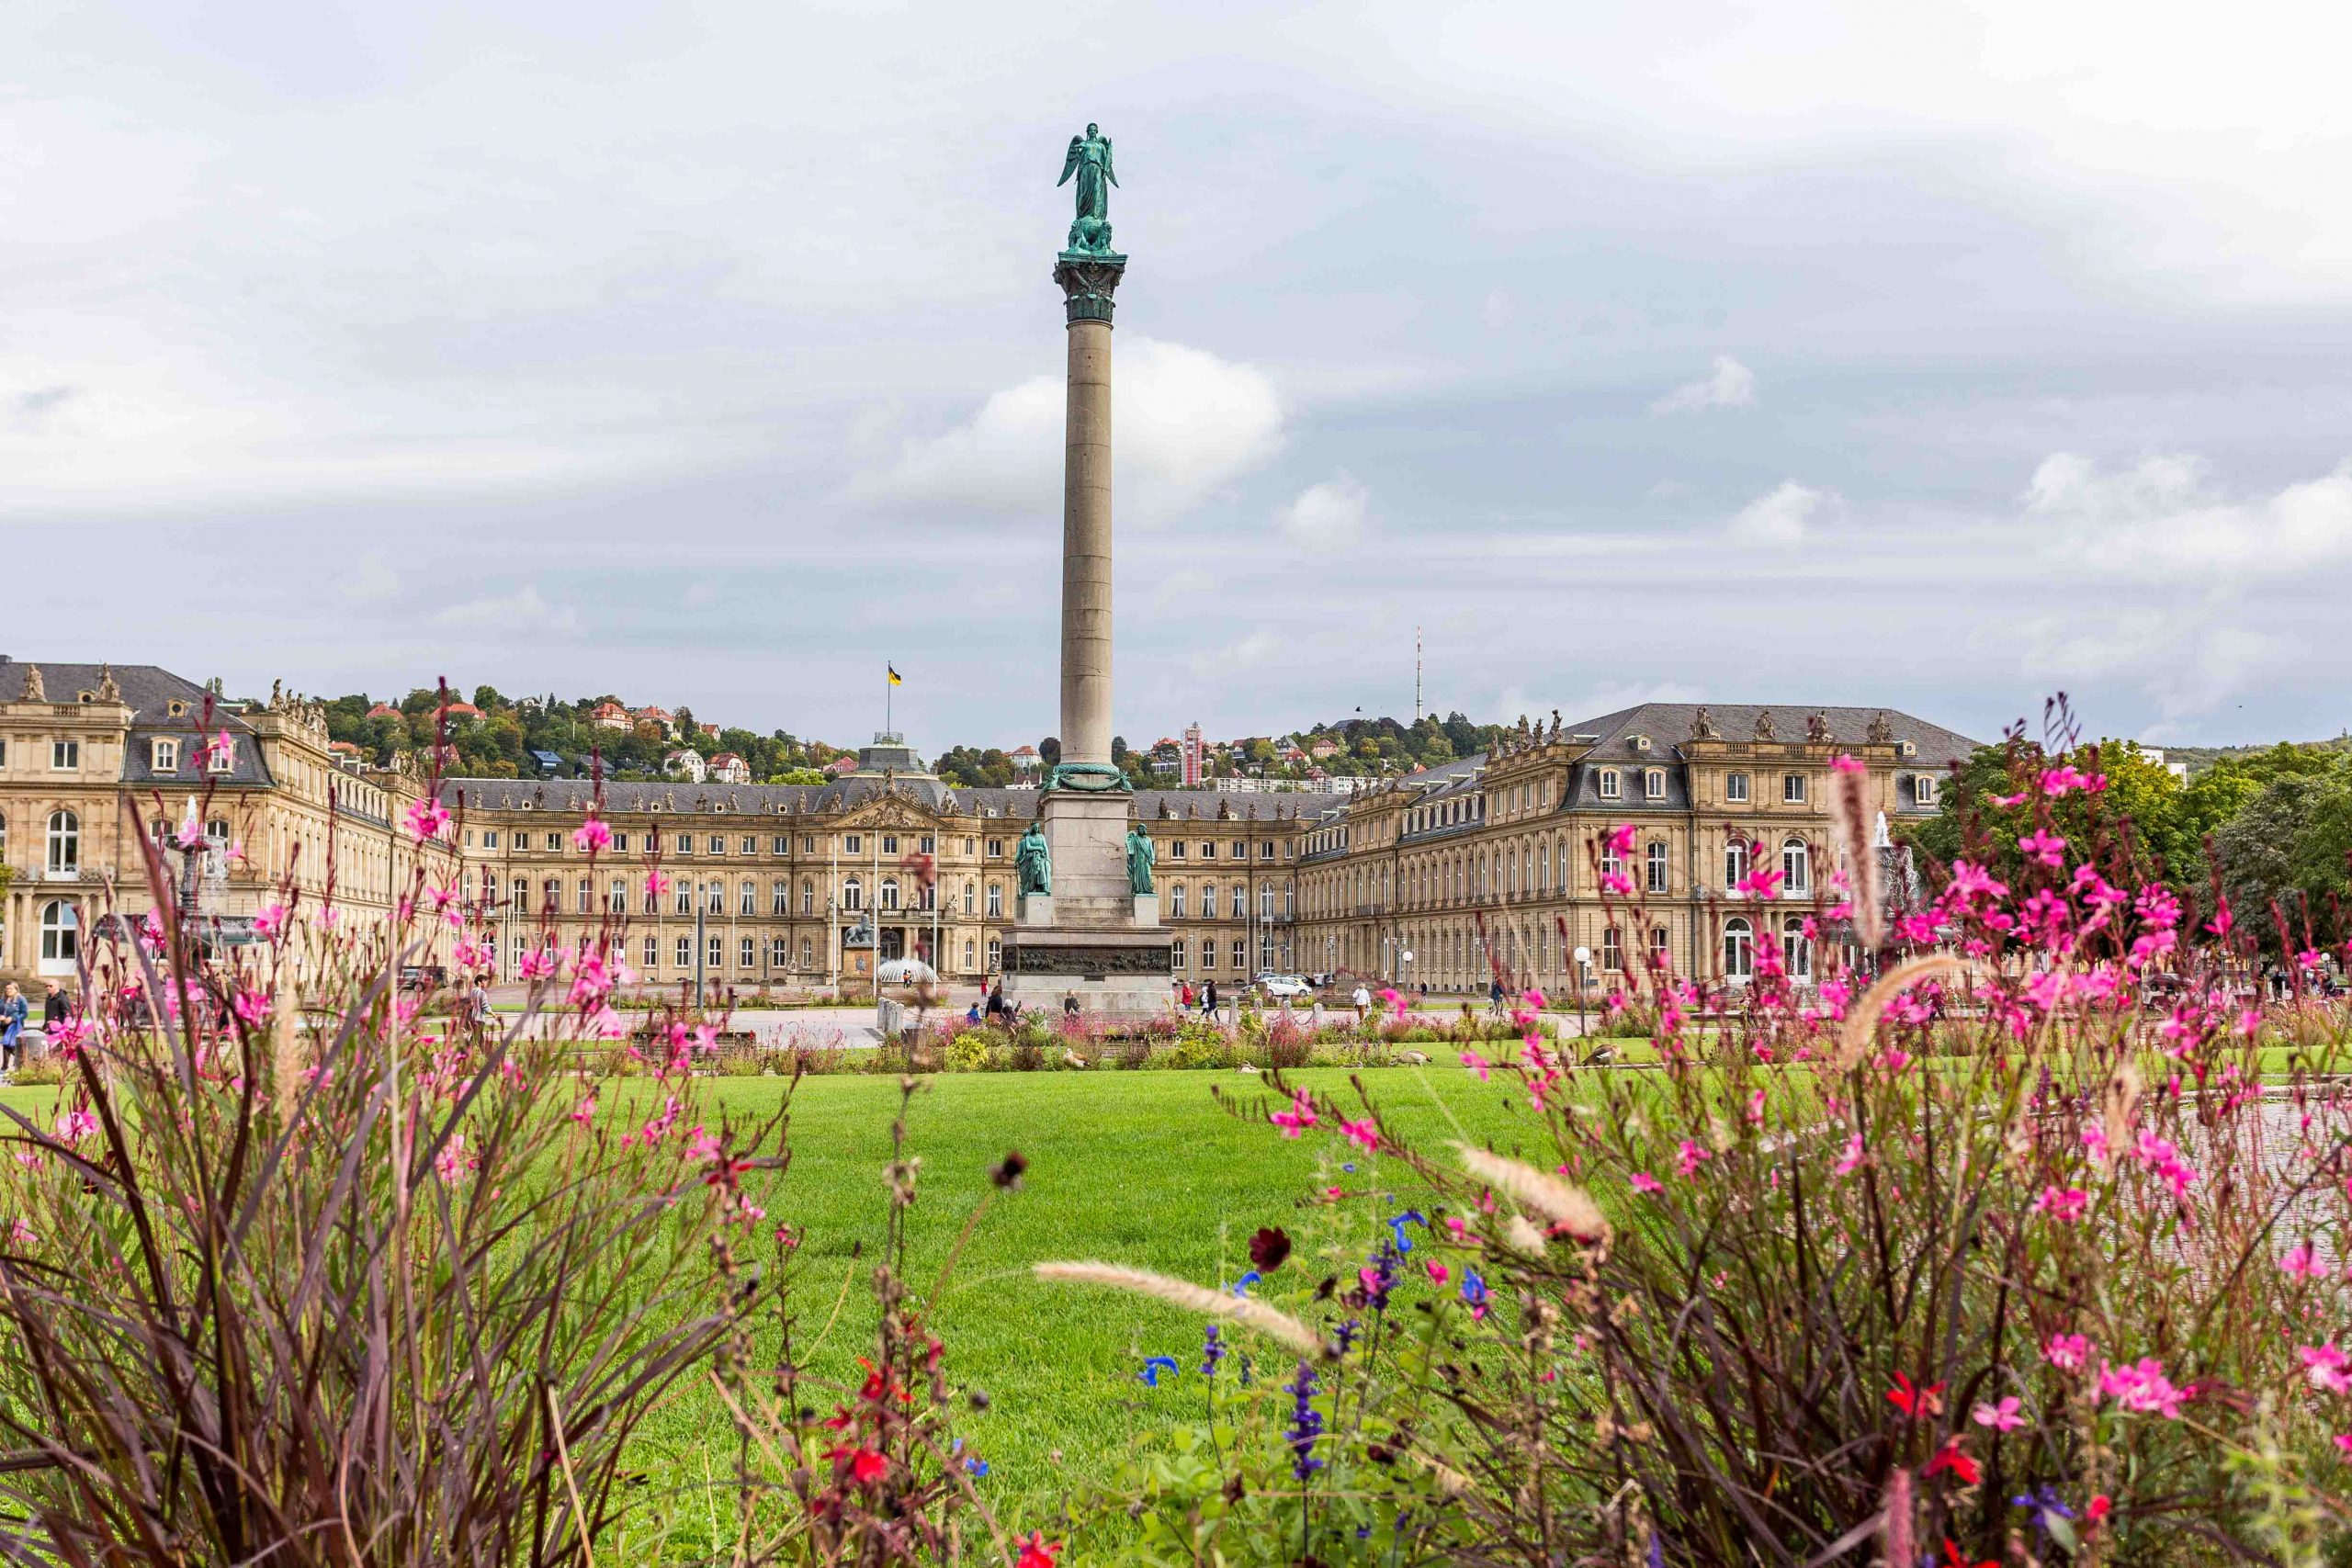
1281,986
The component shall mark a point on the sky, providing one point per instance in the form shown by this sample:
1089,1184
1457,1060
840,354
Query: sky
1942,358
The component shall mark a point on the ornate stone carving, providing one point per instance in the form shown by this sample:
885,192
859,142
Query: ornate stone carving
1033,861
1089,162
1764,730
108,690
1816,730
1140,856
1088,286
33,691
1703,726
1881,731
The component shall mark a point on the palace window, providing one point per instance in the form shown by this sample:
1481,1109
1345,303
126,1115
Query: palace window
1923,789
996,954
1612,951
1736,787
64,756
555,842
1240,904
968,948
1176,901
779,952
1265,900
715,950
781,844
620,843
996,848
685,953
1739,951
750,845
718,841
807,897
1176,953
713,898
165,756
685,903
1241,953
617,902
586,894
1657,947
1208,953
852,894
1796,952
61,932
1656,856
1609,786
927,845
747,897
889,891
971,892
1654,783
1209,849
1176,849
747,954
1612,863
64,842
780,897
1793,789
522,895
652,952
551,896
1734,861
490,839
1796,864
852,844
889,843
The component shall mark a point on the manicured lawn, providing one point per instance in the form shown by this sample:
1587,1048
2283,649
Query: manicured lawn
1131,1167
1138,1167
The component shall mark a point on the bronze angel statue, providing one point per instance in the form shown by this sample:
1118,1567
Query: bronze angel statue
1090,160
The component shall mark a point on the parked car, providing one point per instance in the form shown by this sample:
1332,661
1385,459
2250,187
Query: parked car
1281,986
424,978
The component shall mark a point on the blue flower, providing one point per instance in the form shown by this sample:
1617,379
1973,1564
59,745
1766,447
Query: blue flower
1348,1332
1350,1168
1212,1352
976,1466
1150,1373
1474,1288
1397,1223
1241,1286
1305,1423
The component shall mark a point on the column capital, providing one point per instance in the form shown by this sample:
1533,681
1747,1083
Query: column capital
1088,281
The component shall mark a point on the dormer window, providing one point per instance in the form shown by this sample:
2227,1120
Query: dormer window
221,758
163,755
175,708
1608,784
1654,783
1923,789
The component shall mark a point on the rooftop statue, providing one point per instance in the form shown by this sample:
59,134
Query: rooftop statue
1090,161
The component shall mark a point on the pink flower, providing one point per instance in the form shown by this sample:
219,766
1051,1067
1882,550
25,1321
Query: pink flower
2062,1202
1846,763
1298,1117
1969,882
592,836
454,1161
2007,801
537,964
76,1126
426,818
1363,1132
1476,1063
586,1111
656,884
1621,839
2343,1442
1438,1273
2309,958
2223,920
1615,885
1645,1182
1852,1157
2301,1263
2001,1417
2066,778
271,920
2329,1368
1689,1158
2044,846
2141,1387
2067,1352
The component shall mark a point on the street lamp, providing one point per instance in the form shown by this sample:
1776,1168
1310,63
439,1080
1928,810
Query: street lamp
1584,980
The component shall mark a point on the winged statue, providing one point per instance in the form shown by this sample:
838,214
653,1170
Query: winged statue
1089,161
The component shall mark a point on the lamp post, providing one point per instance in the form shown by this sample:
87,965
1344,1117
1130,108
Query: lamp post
1584,980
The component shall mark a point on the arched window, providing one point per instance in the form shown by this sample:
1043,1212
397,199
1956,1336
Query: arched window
969,952
852,894
808,899
1739,950
780,899
1796,952
889,893
747,897
971,893
1734,861
996,954
1796,864
714,898
551,895
1655,860
60,935
808,952
64,842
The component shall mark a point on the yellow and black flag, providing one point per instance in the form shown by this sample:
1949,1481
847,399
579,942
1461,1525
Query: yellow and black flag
895,679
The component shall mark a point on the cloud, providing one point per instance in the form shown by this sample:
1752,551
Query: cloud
1185,423
371,577
40,399
521,614
1327,515
2188,663
1245,653
2162,520
1730,384
1778,517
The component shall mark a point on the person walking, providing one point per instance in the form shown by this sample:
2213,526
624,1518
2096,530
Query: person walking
1208,1001
1362,1000
56,1008
1069,1004
1495,996
12,1029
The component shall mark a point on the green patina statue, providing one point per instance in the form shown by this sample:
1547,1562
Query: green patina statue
1032,862
1090,160
1140,856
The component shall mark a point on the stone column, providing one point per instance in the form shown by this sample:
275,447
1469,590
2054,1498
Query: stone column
1087,284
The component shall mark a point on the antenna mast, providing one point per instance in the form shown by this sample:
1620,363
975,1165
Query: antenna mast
1417,674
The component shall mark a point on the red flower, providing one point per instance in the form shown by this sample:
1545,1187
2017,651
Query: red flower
865,1464
1955,1558
1950,1458
2097,1509
1036,1551
1915,1402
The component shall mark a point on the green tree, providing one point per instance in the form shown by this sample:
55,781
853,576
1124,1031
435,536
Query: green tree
2287,848
1995,795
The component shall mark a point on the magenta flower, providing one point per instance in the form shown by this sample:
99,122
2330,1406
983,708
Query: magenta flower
1621,839
2301,1263
426,818
592,836
1689,1158
76,1126
2329,1368
2062,1202
2067,1352
1846,762
2001,1417
1476,1063
2142,1388
1298,1117
1645,1182
1852,1157
2044,846
1363,1132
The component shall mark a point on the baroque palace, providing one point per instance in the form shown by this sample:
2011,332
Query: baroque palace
1415,882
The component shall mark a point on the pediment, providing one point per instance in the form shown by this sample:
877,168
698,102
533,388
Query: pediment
890,812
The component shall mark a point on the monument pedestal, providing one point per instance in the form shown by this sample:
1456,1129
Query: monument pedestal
1093,936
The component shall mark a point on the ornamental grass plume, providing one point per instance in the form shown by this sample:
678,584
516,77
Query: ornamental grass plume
1849,819
1861,1026
1246,1311
1566,1206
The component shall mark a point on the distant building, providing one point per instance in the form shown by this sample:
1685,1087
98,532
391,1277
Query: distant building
684,764
385,710
728,768
1191,755
1025,759
549,763
2154,757
659,717
610,715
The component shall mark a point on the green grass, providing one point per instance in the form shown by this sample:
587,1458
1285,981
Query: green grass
1137,1168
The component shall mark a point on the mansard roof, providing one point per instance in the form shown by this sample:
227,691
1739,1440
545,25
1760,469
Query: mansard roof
571,797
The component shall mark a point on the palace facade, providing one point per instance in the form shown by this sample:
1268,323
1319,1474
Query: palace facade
1417,881
1499,860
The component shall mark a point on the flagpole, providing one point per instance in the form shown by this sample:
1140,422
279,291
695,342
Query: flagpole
886,696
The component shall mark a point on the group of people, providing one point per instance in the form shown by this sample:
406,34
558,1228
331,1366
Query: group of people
16,1014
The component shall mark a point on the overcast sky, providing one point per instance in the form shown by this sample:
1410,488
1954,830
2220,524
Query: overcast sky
1851,354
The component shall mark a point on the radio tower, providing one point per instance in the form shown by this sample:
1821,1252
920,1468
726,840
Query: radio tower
1416,675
